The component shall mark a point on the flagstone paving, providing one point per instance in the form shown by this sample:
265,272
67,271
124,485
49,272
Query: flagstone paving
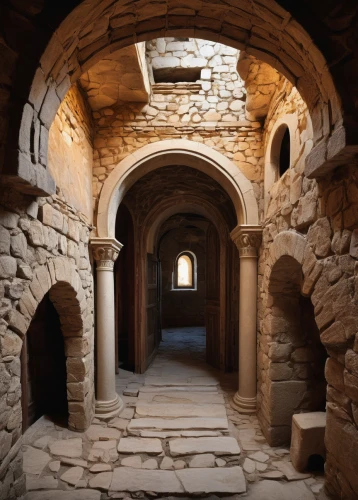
177,436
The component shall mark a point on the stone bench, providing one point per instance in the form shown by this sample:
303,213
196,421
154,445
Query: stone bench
307,438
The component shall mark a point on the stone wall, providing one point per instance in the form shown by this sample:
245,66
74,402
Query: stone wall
314,224
43,247
183,307
70,151
210,111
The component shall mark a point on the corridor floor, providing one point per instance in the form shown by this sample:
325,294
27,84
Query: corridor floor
177,436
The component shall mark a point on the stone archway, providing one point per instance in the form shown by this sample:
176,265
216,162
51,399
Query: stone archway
155,218
294,371
60,279
175,152
291,273
92,31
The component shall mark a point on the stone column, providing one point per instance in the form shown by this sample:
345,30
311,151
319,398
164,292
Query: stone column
105,252
247,239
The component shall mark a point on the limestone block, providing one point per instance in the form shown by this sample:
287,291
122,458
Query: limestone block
280,371
220,480
286,397
204,460
334,374
307,439
19,246
101,481
43,483
158,481
4,241
8,267
165,62
10,344
279,352
51,217
36,236
70,448
34,461
140,445
72,475
17,322
8,219
274,490
217,445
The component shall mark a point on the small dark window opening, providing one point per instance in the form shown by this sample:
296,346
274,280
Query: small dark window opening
175,75
285,152
315,464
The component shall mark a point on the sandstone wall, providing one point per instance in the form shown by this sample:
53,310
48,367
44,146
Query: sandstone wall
70,151
313,223
43,247
210,111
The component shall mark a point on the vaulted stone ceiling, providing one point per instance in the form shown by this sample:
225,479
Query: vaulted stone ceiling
167,182
122,76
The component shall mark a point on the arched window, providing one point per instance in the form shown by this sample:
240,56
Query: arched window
185,271
285,152
280,151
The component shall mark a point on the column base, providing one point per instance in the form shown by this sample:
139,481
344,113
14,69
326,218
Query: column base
243,405
108,409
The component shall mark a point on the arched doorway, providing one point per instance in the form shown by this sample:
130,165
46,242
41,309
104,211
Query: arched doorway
295,378
175,211
43,368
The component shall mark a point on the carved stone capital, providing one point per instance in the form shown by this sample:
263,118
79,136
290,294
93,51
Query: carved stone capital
247,239
105,252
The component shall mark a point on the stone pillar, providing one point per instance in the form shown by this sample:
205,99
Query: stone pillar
248,240
105,252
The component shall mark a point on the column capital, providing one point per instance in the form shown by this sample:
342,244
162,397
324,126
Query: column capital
105,252
247,239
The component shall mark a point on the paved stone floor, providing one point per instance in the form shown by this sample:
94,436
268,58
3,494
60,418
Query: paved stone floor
177,436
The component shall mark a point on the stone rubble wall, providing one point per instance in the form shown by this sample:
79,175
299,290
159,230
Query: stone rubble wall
321,220
43,247
209,111
70,151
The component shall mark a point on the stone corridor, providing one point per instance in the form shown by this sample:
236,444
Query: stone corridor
176,436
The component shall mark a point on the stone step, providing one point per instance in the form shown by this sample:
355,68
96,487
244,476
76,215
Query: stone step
177,423
156,481
168,434
172,381
178,398
178,388
85,494
179,410
214,481
152,446
190,446
220,480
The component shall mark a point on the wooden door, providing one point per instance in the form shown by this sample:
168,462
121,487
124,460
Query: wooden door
152,307
212,303
43,363
125,292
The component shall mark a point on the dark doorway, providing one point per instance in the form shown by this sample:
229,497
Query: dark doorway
43,373
124,291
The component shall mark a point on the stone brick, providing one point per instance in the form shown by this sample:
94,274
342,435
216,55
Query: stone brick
11,344
334,374
19,246
8,267
4,241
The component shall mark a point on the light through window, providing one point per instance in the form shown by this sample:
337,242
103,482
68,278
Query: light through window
185,271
